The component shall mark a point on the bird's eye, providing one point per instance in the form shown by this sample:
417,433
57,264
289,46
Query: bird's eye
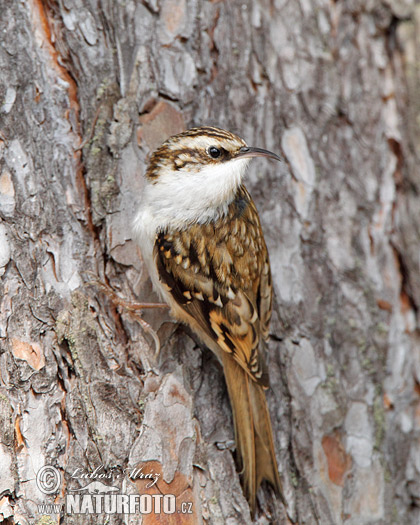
214,152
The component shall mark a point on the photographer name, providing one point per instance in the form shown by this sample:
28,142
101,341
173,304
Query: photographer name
114,473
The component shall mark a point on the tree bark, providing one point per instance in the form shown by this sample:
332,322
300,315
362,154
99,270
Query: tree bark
88,89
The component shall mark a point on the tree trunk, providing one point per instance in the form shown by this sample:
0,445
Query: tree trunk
88,89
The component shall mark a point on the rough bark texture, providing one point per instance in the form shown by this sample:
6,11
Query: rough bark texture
88,88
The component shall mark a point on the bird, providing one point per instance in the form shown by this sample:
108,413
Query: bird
201,239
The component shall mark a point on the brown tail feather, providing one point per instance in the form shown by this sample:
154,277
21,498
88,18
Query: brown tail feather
254,438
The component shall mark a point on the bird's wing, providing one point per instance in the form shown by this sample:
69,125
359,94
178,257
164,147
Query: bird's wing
219,274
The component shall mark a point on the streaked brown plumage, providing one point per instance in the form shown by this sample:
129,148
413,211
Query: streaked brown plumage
214,272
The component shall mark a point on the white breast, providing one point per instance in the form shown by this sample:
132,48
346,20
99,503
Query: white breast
145,227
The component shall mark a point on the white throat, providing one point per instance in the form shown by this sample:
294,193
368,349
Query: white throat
179,198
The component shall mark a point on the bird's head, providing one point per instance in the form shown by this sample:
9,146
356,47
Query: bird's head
199,169
205,149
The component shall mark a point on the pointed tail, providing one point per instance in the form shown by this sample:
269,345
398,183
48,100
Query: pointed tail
254,437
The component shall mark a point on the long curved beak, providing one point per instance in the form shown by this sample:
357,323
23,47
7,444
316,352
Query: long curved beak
247,152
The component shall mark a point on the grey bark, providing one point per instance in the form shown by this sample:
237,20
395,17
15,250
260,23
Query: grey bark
87,89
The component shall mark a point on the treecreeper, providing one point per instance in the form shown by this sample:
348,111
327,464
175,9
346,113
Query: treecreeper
200,236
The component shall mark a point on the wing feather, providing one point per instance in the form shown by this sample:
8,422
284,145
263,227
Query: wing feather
219,274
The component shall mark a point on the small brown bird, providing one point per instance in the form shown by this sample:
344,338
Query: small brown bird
201,239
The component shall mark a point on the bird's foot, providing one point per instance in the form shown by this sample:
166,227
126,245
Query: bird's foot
133,308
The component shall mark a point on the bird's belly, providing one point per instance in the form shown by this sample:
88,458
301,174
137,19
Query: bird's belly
144,229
